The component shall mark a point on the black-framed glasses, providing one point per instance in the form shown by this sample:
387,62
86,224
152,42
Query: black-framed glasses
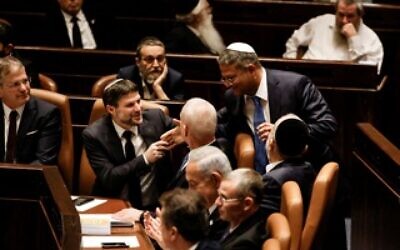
225,199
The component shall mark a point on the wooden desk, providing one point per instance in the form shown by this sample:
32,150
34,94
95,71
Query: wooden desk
114,205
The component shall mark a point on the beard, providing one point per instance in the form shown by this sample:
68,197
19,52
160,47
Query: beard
209,34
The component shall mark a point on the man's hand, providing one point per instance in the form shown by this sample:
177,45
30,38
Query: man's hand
156,151
128,214
173,136
348,30
263,130
152,227
157,85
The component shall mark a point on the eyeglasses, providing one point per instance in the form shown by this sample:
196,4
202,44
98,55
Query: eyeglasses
18,84
151,59
224,199
228,80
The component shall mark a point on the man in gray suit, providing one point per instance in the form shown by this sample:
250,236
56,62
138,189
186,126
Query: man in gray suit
125,150
30,128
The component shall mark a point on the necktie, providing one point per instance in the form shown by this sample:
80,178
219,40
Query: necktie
259,145
12,137
76,33
129,149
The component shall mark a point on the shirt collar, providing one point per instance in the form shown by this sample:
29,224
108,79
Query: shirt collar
193,247
262,91
7,110
212,208
120,130
271,166
67,17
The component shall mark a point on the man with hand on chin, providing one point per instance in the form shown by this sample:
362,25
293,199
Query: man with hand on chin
155,80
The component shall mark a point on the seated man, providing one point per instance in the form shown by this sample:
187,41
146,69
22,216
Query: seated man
240,194
340,37
125,150
30,128
70,24
151,73
286,146
195,31
7,49
184,221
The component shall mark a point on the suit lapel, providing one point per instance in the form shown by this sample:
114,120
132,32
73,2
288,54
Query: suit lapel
27,119
274,96
111,138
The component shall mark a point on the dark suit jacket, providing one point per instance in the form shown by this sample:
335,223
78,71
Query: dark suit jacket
39,133
291,170
106,156
173,85
250,234
182,40
217,226
55,32
208,245
288,92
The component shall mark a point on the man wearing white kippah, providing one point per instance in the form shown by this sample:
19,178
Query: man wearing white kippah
195,31
257,97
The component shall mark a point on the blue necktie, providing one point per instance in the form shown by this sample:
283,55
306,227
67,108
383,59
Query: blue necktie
259,146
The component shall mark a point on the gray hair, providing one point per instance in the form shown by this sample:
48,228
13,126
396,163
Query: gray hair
210,158
238,58
247,182
358,3
200,116
7,64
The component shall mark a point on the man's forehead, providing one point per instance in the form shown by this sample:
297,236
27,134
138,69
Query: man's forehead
152,49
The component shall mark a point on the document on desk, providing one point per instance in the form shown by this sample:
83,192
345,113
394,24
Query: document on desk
95,224
97,241
86,206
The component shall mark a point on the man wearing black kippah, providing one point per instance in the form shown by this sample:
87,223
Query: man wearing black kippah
285,146
195,31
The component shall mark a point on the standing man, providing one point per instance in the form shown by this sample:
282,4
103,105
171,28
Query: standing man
195,31
342,36
151,73
71,25
124,148
239,200
257,97
30,128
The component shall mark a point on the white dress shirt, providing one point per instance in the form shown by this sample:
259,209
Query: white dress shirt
88,41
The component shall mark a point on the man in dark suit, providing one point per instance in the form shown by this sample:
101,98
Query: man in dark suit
70,24
30,128
151,73
286,146
238,203
194,31
206,168
257,97
183,221
125,150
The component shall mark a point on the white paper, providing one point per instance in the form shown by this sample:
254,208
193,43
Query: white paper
95,224
89,205
95,241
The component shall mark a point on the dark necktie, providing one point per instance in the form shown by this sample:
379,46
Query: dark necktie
76,33
12,137
129,149
259,145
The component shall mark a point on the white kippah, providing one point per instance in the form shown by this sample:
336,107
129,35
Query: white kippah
241,47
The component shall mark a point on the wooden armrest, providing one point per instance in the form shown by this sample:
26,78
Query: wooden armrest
244,150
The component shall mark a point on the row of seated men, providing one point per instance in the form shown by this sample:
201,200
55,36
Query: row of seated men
127,148
342,36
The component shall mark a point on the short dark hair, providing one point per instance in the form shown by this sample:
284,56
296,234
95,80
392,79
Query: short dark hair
187,211
116,89
148,41
5,32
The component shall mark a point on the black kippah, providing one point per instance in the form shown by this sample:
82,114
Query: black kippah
291,136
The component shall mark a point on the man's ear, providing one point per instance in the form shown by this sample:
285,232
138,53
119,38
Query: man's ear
110,109
248,203
8,49
173,233
216,178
